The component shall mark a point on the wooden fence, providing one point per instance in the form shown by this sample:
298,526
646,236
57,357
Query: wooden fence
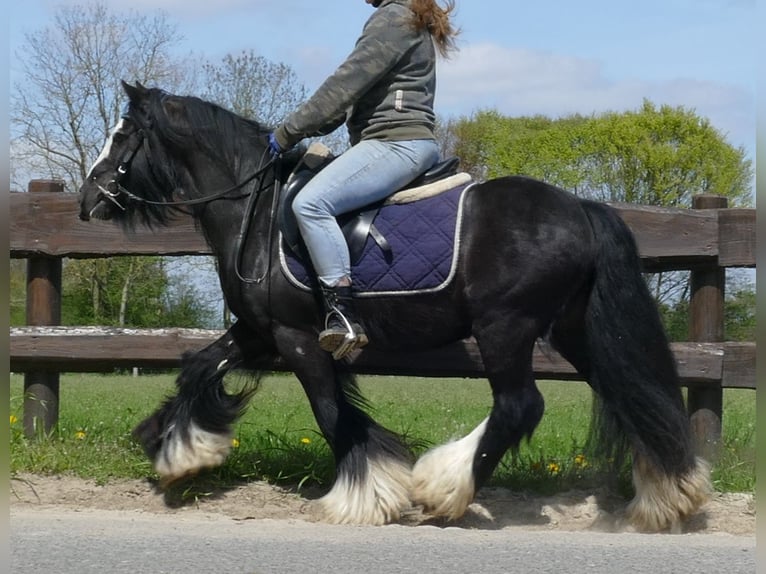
44,228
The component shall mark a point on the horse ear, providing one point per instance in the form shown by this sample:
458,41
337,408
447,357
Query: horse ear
134,92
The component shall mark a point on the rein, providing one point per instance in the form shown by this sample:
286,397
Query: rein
247,218
122,170
253,196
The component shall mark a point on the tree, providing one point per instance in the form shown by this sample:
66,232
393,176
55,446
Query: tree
253,87
63,107
739,317
18,292
256,88
70,96
739,313
653,156
130,291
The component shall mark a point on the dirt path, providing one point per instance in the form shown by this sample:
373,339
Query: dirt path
494,509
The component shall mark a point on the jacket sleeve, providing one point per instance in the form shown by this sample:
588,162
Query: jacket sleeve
385,38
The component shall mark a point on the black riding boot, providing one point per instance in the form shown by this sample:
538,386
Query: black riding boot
342,334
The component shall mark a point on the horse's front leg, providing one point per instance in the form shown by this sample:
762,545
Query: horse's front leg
191,431
372,483
446,478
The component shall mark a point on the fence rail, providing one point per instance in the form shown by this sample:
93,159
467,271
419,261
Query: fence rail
98,349
46,223
44,228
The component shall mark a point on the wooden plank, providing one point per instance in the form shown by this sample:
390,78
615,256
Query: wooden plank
739,365
672,238
104,349
48,223
737,238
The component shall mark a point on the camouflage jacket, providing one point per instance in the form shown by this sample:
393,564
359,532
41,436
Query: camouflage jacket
384,89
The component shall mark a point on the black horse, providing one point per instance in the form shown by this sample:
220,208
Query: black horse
533,262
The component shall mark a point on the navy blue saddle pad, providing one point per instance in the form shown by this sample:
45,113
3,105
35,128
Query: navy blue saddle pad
423,236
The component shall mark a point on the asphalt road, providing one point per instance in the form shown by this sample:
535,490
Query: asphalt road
110,542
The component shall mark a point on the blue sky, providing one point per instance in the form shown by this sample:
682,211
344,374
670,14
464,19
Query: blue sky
552,58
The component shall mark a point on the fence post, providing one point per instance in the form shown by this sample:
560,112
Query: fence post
41,388
706,324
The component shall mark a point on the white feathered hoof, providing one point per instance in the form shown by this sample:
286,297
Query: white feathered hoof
663,502
180,458
442,479
378,498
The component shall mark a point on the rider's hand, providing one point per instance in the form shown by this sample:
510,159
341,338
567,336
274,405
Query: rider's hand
275,150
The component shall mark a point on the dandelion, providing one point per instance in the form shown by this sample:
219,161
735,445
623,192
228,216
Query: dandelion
553,468
580,461
79,435
234,443
306,440
14,420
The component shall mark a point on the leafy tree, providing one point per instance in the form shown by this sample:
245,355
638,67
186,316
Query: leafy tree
130,291
739,313
118,291
656,155
184,307
739,317
18,291
653,156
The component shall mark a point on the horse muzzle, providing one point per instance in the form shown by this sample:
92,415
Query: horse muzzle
99,202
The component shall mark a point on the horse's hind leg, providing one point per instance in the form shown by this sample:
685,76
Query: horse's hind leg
372,482
191,431
445,479
638,404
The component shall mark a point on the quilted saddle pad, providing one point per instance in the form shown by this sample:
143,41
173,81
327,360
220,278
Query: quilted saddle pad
424,238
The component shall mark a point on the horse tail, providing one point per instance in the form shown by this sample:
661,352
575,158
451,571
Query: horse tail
622,349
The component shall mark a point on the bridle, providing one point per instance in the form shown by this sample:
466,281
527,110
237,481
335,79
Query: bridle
253,194
114,189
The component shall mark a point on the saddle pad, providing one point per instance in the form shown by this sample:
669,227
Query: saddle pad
423,238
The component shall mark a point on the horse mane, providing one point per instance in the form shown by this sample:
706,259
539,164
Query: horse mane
224,135
235,144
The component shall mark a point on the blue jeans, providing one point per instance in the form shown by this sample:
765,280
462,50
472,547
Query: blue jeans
368,172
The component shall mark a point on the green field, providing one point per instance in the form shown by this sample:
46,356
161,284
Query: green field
277,439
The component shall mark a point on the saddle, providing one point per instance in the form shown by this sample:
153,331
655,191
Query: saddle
358,225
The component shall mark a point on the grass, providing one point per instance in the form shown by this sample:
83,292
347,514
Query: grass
277,439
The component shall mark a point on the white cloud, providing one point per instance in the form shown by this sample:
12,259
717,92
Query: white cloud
525,82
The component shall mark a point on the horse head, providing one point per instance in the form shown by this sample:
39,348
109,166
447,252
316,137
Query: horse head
104,193
168,152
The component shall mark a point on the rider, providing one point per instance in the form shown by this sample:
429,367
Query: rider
384,92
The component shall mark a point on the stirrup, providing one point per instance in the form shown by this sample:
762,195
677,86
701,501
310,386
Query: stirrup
342,337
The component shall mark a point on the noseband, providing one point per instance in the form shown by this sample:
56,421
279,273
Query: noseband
114,188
